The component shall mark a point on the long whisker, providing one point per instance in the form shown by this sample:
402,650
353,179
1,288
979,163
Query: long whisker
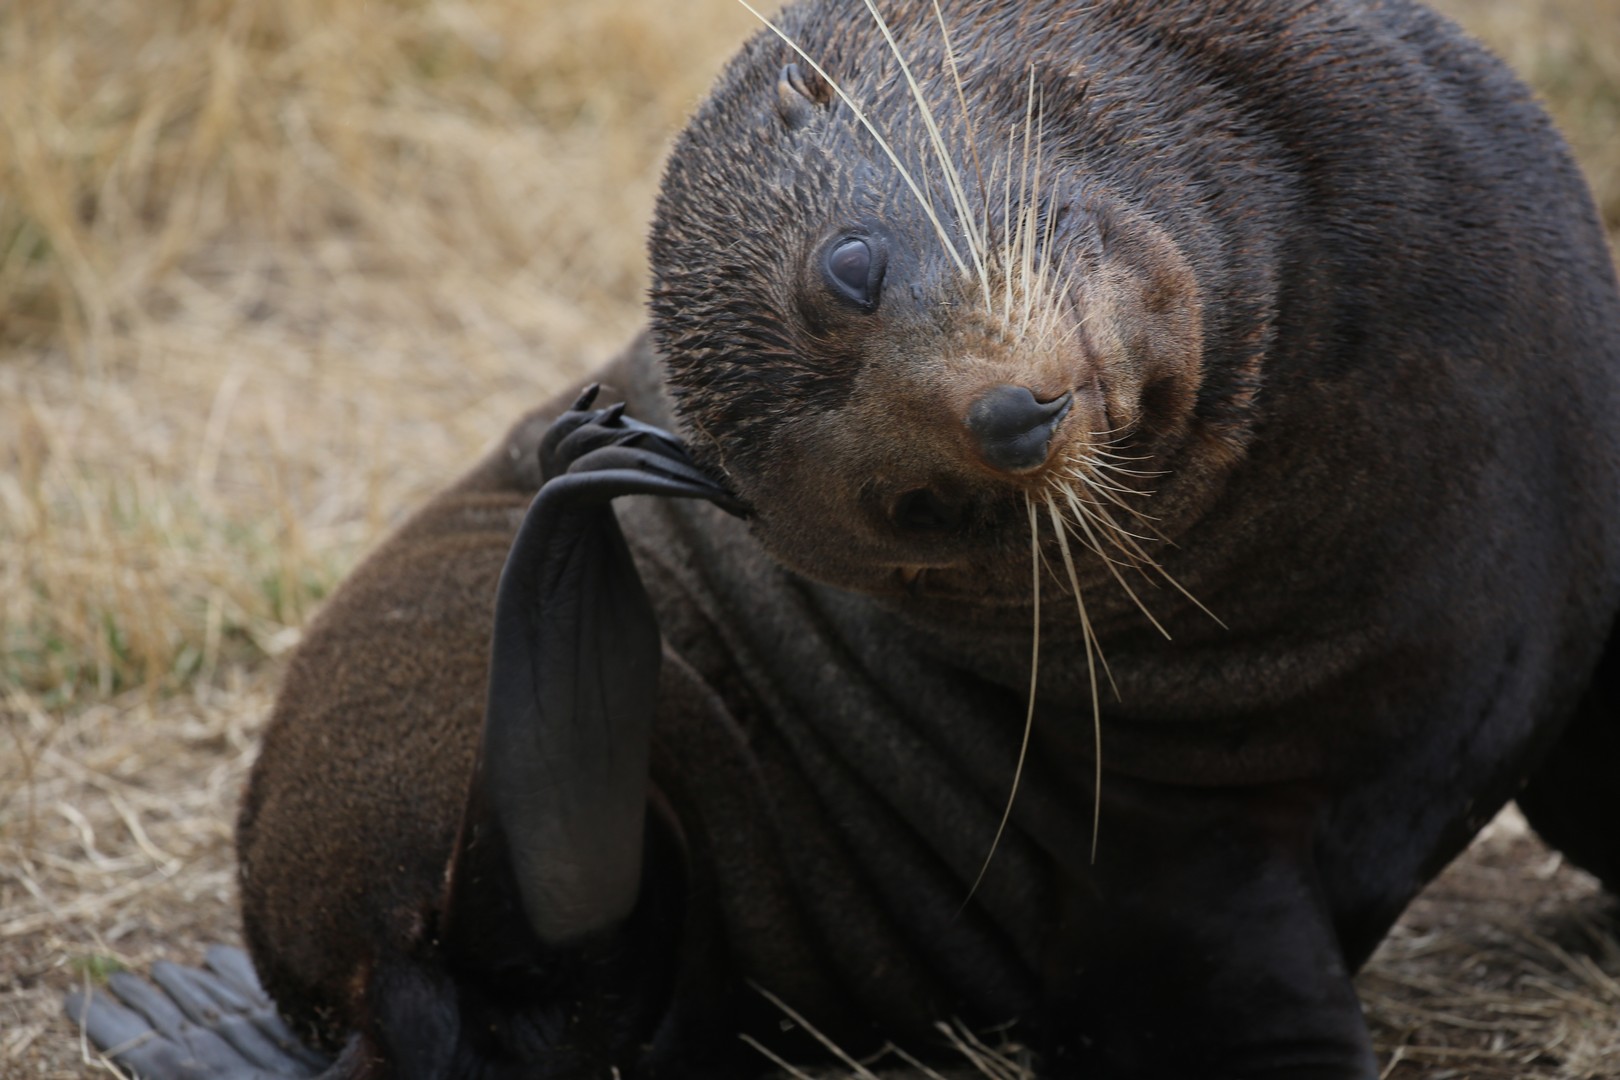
920,147
1145,474
1015,259
1110,495
953,179
1093,658
973,143
1005,252
939,229
1032,210
1035,559
1080,517
1092,539
1130,554
1053,336
1129,539
1048,262
1085,476
1099,451
1091,545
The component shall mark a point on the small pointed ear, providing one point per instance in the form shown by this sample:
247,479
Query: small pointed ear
799,94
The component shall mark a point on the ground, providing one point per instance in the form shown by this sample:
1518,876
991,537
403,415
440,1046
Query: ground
271,271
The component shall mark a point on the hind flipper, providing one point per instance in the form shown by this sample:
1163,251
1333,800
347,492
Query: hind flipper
194,1024
560,795
1573,797
566,887
562,769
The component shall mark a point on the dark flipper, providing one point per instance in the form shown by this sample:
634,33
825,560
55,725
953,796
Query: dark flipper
562,771
214,1024
560,797
564,902
567,889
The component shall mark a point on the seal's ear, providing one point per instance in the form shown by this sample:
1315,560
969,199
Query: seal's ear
799,94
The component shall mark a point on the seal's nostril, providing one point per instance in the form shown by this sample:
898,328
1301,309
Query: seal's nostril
923,510
1013,428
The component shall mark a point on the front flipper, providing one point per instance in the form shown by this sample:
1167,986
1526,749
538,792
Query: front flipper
1204,947
1572,799
215,1024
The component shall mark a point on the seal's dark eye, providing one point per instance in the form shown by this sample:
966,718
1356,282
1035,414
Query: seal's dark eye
855,270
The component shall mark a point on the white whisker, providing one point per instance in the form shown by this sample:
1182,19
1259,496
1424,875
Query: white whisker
1145,474
972,146
1093,658
939,228
953,179
1036,559
1147,560
1032,210
1016,264
1104,526
1082,473
1081,519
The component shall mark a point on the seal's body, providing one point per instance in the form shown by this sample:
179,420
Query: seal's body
1268,352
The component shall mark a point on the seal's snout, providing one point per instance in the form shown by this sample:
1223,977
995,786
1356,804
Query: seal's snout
1013,429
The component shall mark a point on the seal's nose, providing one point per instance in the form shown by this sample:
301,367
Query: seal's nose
1012,428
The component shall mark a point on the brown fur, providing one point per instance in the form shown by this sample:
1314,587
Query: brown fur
409,634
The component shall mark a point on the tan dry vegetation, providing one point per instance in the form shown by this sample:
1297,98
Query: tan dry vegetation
264,262
271,271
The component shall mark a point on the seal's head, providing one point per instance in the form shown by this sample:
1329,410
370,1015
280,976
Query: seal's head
904,313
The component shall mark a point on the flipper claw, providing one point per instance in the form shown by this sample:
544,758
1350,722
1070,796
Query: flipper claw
586,397
573,446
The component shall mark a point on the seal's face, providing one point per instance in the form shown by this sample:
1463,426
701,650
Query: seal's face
904,324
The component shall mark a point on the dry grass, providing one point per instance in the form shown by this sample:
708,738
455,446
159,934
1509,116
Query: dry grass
271,271
1507,968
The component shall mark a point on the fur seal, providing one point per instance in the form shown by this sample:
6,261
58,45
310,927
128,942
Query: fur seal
1198,416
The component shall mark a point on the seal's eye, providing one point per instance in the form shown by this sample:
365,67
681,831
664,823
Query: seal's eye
855,270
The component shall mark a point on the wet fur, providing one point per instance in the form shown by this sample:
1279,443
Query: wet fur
1379,419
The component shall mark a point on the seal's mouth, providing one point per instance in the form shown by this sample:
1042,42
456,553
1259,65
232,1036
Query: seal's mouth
925,510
